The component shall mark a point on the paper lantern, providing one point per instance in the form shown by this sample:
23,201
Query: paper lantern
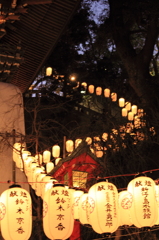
89,140
77,142
103,207
121,102
76,198
134,109
124,112
48,71
49,167
57,160
39,158
58,220
128,106
69,146
157,199
107,92
91,89
56,151
83,217
143,211
125,203
43,184
114,97
84,85
46,156
38,184
17,221
98,91
130,116
35,173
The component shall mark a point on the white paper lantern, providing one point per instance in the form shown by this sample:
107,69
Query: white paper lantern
49,167
17,221
124,112
57,160
121,102
103,207
125,203
91,89
114,97
39,158
77,142
98,91
128,106
83,217
38,188
56,151
69,146
130,116
46,156
76,198
107,92
57,213
157,199
35,173
134,109
48,71
143,211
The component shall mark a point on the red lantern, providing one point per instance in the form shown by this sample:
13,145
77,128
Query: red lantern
17,214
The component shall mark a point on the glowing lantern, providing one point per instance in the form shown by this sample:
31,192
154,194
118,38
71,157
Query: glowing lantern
38,184
46,156
107,92
84,84
17,214
35,173
82,209
105,137
157,199
49,167
17,149
124,112
76,198
58,220
77,142
128,106
89,140
125,202
43,184
48,71
98,91
130,116
56,151
114,97
91,89
134,109
39,158
103,207
57,160
32,166
27,162
25,154
121,102
69,145
143,211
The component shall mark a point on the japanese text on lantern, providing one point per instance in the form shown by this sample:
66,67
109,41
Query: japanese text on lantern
145,186
62,200
21,203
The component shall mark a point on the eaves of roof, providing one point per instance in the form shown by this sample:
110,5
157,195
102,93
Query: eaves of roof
38,30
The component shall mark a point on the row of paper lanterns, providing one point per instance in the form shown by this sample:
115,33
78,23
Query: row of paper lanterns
102,207
128,110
